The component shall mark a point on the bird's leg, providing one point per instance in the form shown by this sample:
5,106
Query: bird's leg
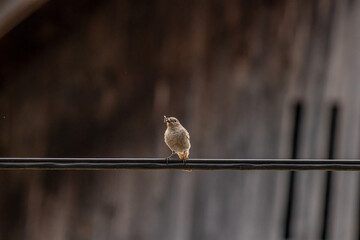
169,157
186,156
182,156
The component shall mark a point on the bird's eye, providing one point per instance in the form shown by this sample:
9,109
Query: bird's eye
174,120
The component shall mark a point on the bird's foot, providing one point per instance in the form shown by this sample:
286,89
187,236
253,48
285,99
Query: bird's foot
186,170
186,156
169,157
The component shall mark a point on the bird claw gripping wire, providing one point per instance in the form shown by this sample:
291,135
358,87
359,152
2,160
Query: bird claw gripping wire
169,157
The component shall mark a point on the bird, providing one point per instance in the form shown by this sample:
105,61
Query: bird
177,138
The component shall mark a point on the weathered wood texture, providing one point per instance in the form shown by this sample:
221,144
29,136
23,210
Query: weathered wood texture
93,78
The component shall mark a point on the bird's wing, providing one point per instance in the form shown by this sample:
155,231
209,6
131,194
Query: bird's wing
187,134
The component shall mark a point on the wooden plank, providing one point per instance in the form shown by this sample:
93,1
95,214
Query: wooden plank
308,205
343,89
309,188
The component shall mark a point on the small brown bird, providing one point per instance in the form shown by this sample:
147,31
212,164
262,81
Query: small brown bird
177,138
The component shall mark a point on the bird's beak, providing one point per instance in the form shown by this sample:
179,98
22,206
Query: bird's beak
166,119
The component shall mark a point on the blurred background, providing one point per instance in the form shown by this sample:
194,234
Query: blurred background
248,79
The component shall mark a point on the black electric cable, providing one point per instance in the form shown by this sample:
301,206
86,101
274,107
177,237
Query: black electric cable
196,164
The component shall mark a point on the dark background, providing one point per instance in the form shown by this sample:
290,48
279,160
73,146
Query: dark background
248,79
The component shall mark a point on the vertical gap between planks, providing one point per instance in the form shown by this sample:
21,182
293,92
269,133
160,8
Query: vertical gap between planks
328,182
294,155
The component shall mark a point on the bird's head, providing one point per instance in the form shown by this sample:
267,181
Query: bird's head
171,121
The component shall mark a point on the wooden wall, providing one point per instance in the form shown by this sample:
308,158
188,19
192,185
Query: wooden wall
94,78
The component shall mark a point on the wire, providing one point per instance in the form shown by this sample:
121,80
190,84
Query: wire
196,164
